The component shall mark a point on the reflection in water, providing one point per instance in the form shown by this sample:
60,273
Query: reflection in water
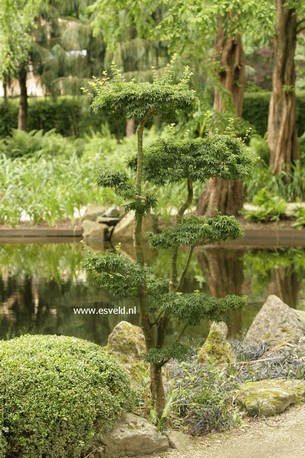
40,285
224,270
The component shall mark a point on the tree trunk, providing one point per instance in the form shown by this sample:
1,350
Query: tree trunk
23,103
224,270
282,134
221,195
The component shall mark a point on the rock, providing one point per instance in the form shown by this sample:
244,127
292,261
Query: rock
94,231
216,348
93,211
178,440
271,396
127,344
123,231
112,212
292,207
276,324
133,436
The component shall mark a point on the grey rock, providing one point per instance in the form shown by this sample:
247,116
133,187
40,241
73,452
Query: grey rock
178,440
93,211
133,436
123,231
126,343
270,397
215,347
276,324
112,212
94,231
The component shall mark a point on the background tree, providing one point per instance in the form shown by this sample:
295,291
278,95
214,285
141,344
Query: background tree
188,160
218,25
282,133
16,26
126,29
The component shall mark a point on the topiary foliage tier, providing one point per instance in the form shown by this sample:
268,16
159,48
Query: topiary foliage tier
57,394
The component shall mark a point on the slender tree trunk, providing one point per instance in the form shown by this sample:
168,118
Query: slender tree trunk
157,387
221,195
23,104
282,134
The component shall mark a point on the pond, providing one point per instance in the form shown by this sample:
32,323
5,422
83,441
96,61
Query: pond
43,287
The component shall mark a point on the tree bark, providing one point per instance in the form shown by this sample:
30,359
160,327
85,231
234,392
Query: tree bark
282,134
23,103
222,195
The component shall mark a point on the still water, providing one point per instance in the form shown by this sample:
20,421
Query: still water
42,284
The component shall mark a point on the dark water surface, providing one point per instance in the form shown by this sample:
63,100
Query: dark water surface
41,284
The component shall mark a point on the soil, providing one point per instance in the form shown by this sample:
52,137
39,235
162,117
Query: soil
281,436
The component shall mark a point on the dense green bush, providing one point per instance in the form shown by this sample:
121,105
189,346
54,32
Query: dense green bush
67,115
57,394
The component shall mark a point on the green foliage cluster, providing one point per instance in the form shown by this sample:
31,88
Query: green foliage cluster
56,176
36,143
204,397
289,186
190,308
271,207
58,393
67,115
172,160
196,230
142,100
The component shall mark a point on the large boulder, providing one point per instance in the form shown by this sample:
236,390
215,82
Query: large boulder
216,348
276,324
270,397
133,436
127,344
123,231
93,211
94,231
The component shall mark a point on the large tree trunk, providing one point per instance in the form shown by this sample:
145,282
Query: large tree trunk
282,134
23,103
221,195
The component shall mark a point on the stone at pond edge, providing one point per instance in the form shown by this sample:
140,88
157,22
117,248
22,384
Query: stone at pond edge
94,231
133,436
270,397
93,211
123,231
127,344
276,323
216,348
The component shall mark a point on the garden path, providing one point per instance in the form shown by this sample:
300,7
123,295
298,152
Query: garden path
282,436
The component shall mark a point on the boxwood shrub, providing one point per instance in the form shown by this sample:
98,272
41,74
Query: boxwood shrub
57,393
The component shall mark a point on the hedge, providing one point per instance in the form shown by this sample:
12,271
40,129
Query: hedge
73,116
256,107
68,115
57,395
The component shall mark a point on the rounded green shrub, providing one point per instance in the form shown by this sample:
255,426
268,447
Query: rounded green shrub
57,394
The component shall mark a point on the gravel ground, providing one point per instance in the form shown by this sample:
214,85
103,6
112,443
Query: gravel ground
282,436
